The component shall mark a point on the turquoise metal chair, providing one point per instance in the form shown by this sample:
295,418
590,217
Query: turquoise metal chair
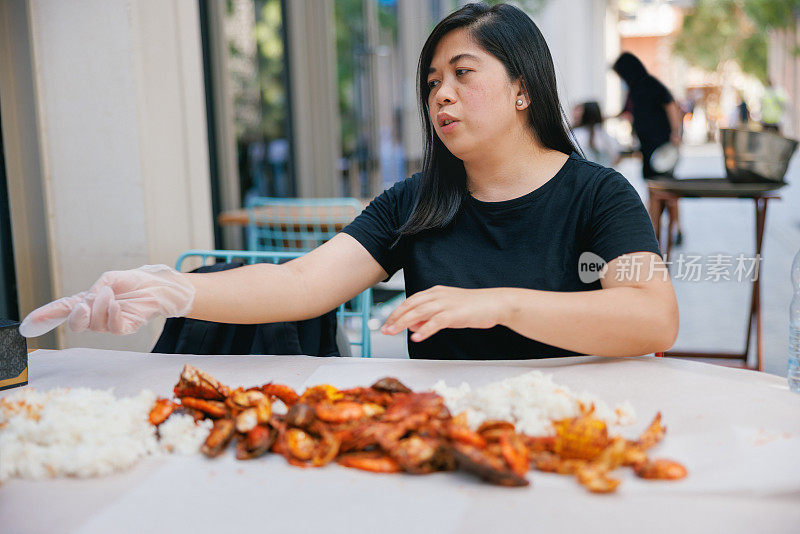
360,305
296,224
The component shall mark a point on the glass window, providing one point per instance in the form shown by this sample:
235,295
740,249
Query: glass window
258,77
369,81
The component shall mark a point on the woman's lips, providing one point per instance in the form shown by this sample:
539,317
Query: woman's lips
450,127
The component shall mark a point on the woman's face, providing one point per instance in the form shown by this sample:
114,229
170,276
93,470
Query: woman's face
471,86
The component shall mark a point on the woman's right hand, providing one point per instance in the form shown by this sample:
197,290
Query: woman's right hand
119,302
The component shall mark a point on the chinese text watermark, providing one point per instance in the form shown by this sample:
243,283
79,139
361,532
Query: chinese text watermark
683,267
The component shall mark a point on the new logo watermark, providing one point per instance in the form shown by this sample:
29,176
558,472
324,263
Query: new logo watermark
591,267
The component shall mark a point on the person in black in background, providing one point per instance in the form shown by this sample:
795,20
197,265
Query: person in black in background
656,117
597,144
743,111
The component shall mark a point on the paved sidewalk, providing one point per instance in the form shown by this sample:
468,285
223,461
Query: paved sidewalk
713,314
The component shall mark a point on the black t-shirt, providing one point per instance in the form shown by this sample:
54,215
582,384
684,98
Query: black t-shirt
532,242
650,122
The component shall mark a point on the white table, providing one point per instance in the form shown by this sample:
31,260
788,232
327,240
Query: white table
738,433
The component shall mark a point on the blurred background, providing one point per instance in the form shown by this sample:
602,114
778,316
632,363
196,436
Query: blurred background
132,128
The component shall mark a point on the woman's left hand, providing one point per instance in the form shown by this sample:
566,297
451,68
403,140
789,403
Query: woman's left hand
429,311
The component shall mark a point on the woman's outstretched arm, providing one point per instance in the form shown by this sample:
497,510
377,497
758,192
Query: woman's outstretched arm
306,287
121,302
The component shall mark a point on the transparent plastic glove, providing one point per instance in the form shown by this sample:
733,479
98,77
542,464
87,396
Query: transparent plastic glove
119,302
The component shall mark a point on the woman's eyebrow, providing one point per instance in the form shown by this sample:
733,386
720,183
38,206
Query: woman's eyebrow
455,58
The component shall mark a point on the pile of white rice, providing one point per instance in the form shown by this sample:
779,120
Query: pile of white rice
532,401
84,433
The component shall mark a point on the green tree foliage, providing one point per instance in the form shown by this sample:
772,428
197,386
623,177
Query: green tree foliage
349,20
772,13
716,31
269,36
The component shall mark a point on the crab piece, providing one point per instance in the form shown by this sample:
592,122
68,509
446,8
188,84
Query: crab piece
195,383
633,455
551,463
457,430
279,447
256,442
596,479
582,438
246,420
304,447
320,393
652,434
390,385
327,447
514,452
300,415
594,475
250,408
374,461
161,410
388,434
358,435
242,399
492,425
421,455
286,394
367,395
428,404
488,467
615,454
214,409
537,444
660,469
413,452
218,438
263,411
300,444
344,411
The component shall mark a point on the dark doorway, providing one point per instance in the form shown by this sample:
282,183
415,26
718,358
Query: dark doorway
9,305
255,44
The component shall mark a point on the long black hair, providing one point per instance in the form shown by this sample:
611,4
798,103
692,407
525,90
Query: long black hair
510,35
630,69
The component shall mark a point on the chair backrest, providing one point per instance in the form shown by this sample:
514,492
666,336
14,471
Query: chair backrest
296,224
359,308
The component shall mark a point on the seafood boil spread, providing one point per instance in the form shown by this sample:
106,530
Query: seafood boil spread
383,428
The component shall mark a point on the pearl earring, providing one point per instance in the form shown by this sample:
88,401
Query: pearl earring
520,102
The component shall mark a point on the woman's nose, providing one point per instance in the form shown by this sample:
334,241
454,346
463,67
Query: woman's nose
445,94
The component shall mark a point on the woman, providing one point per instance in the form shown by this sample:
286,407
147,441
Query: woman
592,137
656,115
489,234
656,119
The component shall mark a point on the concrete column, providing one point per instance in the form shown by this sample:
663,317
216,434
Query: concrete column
575,31
227,158
120,119
315,108
414,25
23,164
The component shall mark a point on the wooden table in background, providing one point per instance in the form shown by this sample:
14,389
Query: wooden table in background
664,191
240,217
